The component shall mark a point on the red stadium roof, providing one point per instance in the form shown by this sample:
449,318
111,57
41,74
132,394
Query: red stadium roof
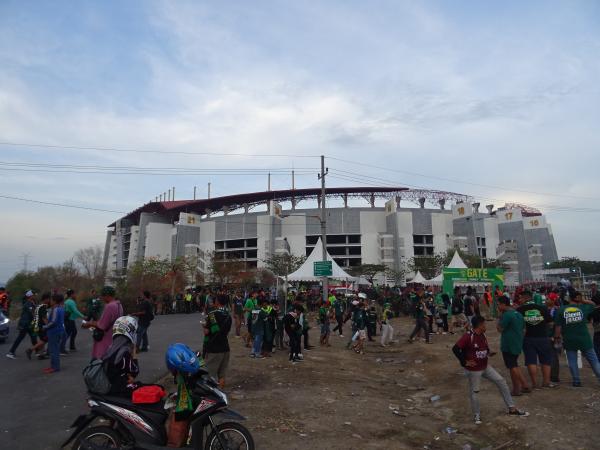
237,201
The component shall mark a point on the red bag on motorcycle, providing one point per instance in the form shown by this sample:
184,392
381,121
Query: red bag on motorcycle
148,394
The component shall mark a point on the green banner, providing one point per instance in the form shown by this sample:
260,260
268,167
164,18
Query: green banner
494,277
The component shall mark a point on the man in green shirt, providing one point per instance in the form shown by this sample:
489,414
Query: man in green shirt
250,305
572,323
93,307
71,314
511,324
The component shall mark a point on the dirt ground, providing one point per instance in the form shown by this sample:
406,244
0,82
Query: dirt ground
337,399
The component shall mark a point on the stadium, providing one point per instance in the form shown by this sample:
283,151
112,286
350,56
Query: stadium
365,225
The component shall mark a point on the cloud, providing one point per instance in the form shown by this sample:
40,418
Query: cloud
410,87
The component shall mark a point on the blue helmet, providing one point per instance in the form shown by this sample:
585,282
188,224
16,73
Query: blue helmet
181,358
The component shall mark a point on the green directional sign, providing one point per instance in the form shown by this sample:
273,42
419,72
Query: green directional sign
322,268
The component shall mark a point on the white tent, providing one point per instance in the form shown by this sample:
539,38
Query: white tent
420,279
305,272
457,262
437,281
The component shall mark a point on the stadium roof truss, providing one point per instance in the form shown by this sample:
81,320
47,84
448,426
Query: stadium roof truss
249,201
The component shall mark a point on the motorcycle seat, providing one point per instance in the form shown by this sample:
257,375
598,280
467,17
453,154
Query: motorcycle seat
125,402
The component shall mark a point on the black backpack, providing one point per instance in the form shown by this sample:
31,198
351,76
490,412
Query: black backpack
96,377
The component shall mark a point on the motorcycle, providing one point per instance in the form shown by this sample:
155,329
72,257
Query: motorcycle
125,425
4,325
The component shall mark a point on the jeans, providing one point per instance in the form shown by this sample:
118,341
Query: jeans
421,324
597,344
340,324
445,321
54,342
142,337
257,347
474,378
591,357
294,345
22,333
387,334
70,332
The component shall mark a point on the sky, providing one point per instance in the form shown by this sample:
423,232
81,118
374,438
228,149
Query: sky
498,100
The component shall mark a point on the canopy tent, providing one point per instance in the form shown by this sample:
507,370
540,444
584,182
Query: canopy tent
305,272
436,281
457,262
419,279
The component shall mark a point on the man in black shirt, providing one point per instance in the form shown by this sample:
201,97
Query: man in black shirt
216,342
145,315
536,343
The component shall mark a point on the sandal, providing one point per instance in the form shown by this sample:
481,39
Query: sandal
518,412
549,386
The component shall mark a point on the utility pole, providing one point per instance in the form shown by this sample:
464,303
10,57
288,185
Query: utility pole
25,257
194,192
324,280
208,190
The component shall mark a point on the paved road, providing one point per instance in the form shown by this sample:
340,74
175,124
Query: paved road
37,409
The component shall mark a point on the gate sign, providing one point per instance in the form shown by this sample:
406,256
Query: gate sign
495,277
322,268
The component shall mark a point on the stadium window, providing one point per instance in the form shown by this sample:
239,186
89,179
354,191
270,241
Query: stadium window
423,244
336,239
311,240
354,239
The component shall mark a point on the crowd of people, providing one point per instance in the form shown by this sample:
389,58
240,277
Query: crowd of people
539,324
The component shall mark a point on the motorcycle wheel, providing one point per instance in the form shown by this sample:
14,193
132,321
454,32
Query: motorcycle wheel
101,436
235,437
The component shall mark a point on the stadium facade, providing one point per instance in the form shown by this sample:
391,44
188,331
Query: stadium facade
407,223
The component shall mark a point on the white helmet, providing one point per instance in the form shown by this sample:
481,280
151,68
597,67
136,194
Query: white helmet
362,295
127,326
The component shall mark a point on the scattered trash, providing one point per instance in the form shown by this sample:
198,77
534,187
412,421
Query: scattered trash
394,407
418,361
357,436
378,360
435,398
436,438
348,423
303,435
451,430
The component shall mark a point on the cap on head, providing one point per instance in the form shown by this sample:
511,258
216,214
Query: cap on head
108,291
29,293
69,292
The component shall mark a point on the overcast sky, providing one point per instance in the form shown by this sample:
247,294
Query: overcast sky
499,100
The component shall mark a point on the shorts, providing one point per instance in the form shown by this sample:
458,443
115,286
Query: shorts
510,360
216,364
536,348
325,329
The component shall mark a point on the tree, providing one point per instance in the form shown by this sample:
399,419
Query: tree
473,261
398,276
429,266
89,260
224,271
367,271
282,264
572,262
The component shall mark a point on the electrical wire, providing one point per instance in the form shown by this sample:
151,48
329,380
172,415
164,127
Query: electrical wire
64,205
359,178
363,164
132,150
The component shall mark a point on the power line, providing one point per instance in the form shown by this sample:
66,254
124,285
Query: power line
175,152
459,181
169,174
137,168
59,204
359,178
